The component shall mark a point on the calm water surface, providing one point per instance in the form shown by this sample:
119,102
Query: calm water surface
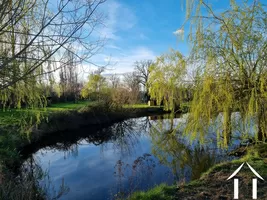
136,154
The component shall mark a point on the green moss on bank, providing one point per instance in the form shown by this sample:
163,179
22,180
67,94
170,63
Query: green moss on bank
161,192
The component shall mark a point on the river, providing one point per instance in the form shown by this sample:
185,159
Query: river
132,155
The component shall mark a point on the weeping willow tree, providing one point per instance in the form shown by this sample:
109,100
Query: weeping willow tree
15,94
166,79
231,48
35,36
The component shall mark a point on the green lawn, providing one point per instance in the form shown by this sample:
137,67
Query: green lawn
140,106
70,106
14,116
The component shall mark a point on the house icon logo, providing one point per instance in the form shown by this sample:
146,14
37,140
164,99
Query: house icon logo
254,181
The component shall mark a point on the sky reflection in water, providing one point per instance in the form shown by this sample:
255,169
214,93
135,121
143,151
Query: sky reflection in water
137,155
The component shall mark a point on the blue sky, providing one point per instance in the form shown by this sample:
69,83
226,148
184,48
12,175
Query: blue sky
142,29
139,29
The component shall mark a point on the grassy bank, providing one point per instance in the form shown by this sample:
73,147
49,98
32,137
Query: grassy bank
52,121
13,116
16,126
46,127
214,185
91,115
84,122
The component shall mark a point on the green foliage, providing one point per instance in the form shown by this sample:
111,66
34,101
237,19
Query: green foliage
211,98
184,107
96,88
36,41
165,79
230,48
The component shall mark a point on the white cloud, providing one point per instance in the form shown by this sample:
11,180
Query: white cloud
125,62
117,64
118,18
178,32
111,46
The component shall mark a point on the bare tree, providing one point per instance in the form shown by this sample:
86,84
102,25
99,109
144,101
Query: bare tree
132,82
68,75
114,81
142,70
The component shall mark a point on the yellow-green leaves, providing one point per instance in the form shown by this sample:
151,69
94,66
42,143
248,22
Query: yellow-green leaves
231,49
95,87
166,79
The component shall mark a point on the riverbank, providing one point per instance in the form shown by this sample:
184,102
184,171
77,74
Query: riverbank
213,184
59,121
62,125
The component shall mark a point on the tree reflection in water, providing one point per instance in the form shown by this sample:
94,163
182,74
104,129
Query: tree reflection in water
169,149
186,160
125,136
135,176
32,183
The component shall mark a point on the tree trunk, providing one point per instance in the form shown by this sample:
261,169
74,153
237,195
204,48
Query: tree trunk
227,127
261,123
